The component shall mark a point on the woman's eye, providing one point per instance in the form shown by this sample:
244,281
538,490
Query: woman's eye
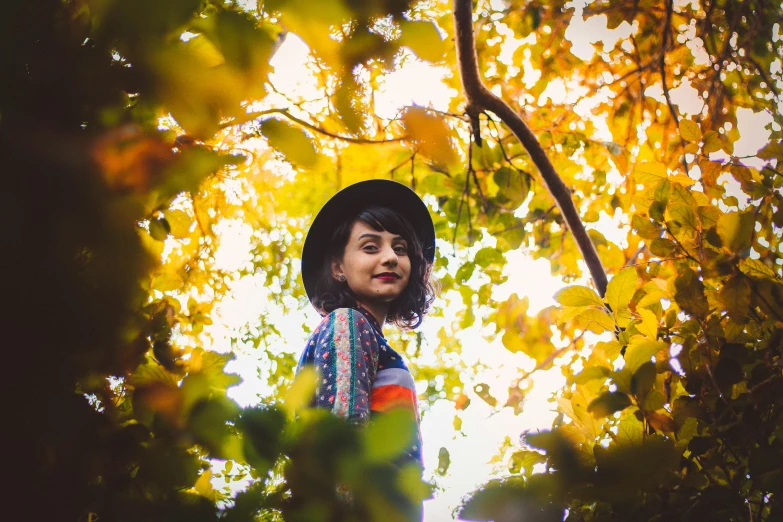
369,247
401,249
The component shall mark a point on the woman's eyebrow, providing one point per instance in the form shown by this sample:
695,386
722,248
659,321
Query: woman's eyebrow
377,236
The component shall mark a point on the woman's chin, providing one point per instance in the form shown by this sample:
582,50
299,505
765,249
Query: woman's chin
380,297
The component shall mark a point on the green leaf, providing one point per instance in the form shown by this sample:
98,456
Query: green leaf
152,373
662,247
735,296
689,293
290,141
346,103
736,230
690,131
159,229
621,288
684,217
389,435
482,390
653,401
642,350
591,373
643,379
301,391
488,256
465,271
687,430
645,228
525,459
512,186
436,184
423,39
662,193
578,295
444,461
727,373
608,403
772,150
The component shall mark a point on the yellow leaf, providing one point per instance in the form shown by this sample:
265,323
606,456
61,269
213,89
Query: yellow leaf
649,173
167,282
682,179
423,39
301,391
736,230
610,348
690,131
630,430
203,485
431,134
567,313
712,142
652,297
621,288
756,268
179,221
314,25
649,325
292,142
207,53
710,171
596,320
578,295
641,350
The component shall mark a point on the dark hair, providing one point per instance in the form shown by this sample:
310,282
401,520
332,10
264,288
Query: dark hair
407,310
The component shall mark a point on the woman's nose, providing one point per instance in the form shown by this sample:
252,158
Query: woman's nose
389,256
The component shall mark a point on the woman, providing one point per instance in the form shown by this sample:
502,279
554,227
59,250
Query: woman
366,261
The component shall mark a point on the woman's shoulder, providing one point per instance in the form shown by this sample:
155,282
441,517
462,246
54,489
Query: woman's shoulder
345,314
341,319
338,316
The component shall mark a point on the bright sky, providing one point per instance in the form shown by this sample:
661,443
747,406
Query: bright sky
484,430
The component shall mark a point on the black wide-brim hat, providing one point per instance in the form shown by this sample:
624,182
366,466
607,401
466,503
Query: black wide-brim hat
348,203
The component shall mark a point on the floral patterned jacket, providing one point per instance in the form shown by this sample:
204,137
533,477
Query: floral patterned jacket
360,374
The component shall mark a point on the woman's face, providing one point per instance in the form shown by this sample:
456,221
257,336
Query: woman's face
375,264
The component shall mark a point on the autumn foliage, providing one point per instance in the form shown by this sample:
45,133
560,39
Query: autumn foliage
132,133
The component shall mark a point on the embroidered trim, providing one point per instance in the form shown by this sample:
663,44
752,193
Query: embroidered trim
352,335
344,375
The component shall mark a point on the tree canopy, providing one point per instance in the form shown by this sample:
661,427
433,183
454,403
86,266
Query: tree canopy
137,136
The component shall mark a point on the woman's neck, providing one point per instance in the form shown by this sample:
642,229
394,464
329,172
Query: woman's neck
378,310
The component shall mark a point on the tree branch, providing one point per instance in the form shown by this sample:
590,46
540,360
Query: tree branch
480,98
315,128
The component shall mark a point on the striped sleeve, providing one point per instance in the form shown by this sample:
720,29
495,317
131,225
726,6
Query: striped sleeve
345,354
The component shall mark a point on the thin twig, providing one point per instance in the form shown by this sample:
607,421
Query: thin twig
315,128
459,210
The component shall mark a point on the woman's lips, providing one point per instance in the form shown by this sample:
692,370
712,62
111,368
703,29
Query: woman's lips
387,277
